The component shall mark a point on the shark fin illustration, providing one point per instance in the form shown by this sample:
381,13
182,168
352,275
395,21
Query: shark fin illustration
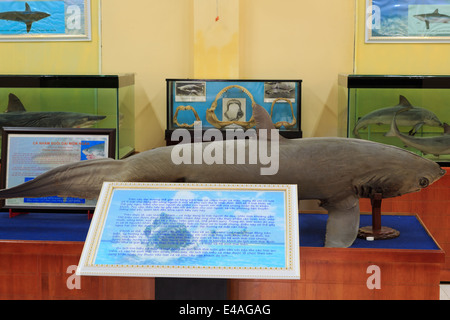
14,104
436,11
29,24
427,23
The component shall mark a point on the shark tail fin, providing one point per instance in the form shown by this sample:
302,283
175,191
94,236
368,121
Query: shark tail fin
14,104
83,179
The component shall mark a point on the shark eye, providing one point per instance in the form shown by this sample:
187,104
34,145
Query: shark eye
423,182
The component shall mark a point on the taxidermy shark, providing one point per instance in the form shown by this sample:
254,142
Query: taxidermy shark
16,116
434,17
336,171
27,16
416,117
428,145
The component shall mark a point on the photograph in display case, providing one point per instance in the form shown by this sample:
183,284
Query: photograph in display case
407,21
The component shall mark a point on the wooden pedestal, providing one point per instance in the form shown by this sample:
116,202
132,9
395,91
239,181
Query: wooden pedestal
342,273
38,270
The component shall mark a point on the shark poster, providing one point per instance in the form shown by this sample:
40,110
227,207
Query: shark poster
407,21
45,20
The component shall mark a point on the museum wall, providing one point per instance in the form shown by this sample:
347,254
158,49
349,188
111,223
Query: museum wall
277,40
286,39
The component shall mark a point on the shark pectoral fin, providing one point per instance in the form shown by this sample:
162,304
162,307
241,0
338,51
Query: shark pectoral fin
427,23
343,223
416,128
29,26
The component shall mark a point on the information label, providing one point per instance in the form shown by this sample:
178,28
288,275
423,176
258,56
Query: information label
194,230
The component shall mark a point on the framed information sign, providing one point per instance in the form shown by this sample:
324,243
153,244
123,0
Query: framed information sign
193,230
29,152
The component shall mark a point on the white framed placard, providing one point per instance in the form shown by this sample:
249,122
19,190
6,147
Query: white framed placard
193,230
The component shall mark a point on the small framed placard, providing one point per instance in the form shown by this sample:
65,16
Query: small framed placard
29,152
193,230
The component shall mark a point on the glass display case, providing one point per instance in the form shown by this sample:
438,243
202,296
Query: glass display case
227,104
71,101
410,112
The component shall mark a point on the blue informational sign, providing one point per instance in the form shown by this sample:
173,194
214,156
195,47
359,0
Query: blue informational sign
211,231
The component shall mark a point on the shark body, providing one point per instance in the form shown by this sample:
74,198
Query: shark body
415,117
17,116
429,145
28,16
434,17
336,171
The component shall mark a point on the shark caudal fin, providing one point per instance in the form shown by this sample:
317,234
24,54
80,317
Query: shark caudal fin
83,179
14,104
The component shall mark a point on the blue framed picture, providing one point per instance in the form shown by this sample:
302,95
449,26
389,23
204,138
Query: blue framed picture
407,21
45,20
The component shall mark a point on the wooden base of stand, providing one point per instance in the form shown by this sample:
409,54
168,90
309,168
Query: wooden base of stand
385,233
376,231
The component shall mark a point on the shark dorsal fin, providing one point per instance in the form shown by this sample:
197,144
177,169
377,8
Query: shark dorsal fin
27,7
436,11
263,120
14,104
404,102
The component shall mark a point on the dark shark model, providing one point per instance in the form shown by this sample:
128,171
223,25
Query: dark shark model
27,16
16,116
434,17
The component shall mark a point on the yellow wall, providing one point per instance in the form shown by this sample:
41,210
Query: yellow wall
398,58
283,39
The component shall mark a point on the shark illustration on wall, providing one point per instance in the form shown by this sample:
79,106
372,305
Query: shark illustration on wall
28,16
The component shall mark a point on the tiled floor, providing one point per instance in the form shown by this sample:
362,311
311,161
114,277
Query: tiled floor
445,291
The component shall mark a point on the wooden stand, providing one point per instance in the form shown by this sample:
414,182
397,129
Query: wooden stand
376,231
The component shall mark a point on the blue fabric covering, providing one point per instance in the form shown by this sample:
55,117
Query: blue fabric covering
74,227
412,233
44,226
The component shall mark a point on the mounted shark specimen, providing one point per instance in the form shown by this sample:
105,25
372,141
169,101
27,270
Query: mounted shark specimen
17,116
336,171
416,117
434,17
428,145
27,16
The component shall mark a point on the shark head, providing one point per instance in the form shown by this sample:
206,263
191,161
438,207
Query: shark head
397,177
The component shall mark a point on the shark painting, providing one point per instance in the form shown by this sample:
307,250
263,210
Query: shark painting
28,16
336,171
16,116
434,17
